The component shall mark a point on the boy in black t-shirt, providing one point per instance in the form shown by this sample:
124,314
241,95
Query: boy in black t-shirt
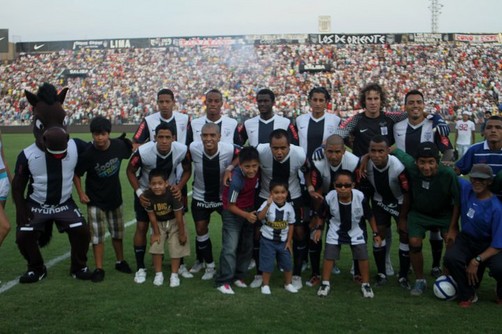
103,193
166,216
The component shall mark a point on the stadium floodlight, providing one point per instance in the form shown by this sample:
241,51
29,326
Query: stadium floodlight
435,8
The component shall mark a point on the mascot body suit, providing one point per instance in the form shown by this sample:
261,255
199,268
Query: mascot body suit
46,170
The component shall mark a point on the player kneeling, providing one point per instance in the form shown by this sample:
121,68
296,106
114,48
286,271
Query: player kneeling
348,210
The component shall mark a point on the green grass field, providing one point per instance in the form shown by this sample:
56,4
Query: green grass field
60,304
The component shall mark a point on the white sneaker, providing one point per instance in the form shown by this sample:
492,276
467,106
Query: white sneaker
290,288
257,282
140,276
323,290
183,271
240,283
225,289
209,274
174,281
389,270
197,266
266,290
252,264
158,279
367,291
297,282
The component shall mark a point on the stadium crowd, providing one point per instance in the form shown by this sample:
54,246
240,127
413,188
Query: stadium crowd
122,82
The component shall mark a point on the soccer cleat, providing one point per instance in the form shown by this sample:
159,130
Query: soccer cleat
252,264
240,283
82,274
98,275
419,287
297,282
257,282
323,290
158,279
290,288
468,303
436,272
389,270
381,279
123,267
209,274
313,281
197,266
225,289
183,271
266,290
174,281
32,276
140,276
336,270
403,283
367,291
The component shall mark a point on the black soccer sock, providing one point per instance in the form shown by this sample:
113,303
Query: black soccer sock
299,250
204,249
404,260
139,253
436,250
198,255
315,256
379,254
357,272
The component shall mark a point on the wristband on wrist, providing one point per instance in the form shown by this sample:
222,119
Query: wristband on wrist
139,192
311,188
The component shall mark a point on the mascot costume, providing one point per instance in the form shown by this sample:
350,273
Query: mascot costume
46,169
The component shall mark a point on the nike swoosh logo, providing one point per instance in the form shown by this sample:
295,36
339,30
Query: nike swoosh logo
36,47
363,130
2,38
37,156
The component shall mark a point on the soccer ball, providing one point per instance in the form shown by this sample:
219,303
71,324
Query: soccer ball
445,288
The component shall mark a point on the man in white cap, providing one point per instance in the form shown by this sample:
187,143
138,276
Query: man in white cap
465,134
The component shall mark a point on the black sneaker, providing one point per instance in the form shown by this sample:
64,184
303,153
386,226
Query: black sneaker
98,275
83,274
33,276
123,267
381,279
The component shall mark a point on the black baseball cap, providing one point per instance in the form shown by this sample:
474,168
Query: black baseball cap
427,150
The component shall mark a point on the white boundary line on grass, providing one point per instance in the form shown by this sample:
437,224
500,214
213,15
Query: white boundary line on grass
51,263
10,284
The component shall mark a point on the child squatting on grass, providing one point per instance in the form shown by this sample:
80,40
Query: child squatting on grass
276,235
165,213
348,211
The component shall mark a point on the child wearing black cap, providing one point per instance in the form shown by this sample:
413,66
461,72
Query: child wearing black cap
435,202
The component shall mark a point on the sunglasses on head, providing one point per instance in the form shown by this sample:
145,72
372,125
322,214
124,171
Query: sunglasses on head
343,185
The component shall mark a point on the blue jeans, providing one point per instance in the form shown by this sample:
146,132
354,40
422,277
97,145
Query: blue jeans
236,248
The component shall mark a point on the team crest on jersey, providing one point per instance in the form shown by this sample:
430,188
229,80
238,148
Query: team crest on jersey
227,132
428,136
